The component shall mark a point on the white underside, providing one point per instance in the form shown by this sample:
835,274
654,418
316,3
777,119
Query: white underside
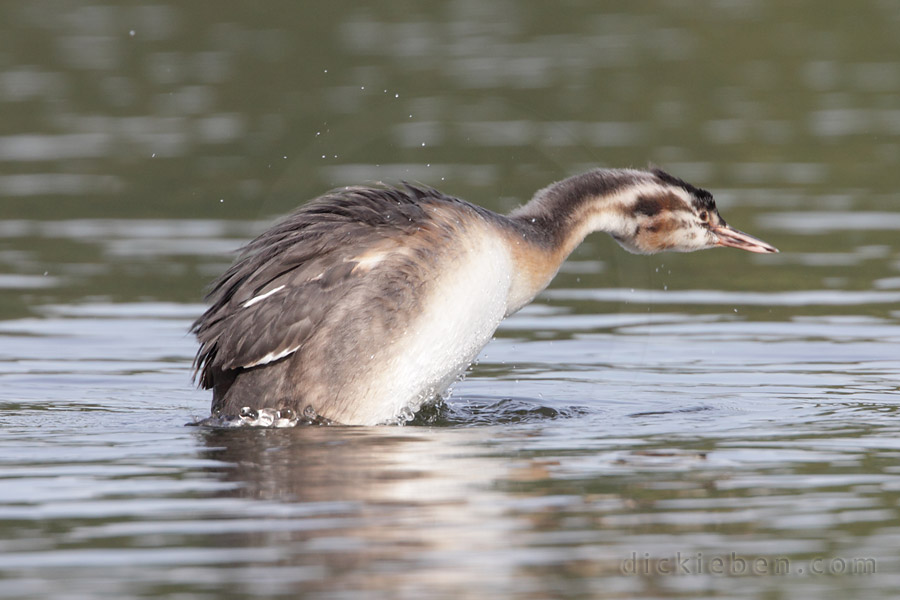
457,320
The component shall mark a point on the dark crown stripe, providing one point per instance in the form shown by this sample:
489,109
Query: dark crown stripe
702,198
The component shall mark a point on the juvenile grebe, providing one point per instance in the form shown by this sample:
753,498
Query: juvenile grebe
370,301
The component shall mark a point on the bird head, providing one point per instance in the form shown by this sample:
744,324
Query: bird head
668,214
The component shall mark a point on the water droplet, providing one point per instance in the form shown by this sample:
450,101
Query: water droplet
406,415
266,417
310,413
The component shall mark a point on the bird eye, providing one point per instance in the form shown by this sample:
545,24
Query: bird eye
704,216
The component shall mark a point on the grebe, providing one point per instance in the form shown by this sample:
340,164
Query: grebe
367,302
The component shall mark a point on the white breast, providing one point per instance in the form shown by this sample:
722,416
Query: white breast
456,321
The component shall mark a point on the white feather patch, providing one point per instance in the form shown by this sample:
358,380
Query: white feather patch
261,297
272,357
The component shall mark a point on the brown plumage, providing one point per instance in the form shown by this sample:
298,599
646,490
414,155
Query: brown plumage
369,301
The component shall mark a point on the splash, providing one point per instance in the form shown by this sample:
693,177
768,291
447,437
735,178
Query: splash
264,417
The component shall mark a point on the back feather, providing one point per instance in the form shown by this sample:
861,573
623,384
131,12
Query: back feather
311,254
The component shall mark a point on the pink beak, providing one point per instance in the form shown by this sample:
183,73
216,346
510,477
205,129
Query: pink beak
727,236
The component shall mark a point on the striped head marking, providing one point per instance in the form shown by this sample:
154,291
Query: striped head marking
665,213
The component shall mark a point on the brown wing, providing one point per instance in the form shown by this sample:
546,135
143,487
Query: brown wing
287,280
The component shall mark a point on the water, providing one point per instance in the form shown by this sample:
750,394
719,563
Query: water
713,425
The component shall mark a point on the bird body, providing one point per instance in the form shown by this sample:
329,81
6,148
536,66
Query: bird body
368,302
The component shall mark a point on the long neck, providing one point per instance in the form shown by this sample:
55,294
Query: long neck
548,228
